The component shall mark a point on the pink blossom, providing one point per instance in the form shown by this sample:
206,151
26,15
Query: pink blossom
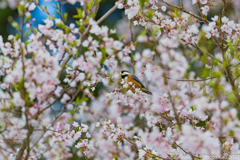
120,5
31,7
75,124
224,19
215,18
65,98
163,8
132,11
203,1
205,10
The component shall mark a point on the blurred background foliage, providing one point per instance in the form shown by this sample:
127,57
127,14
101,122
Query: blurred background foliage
7,15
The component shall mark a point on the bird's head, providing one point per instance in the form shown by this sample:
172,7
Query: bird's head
124,74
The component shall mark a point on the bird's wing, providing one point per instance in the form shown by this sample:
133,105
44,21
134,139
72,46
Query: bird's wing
136,79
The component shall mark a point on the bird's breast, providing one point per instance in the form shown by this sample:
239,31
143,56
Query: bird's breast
135,83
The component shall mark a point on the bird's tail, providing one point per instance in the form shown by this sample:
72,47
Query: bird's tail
146,91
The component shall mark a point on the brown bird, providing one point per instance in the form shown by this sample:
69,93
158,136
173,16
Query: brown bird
135,81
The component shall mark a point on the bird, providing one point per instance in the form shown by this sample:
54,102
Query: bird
135,81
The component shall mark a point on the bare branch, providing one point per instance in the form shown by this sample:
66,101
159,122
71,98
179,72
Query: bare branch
224,7
199,8
184,10
143,148
107,14
64,64
175,111
192,80
24,144
196,46
181,2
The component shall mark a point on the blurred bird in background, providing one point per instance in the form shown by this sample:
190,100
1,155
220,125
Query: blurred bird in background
134,81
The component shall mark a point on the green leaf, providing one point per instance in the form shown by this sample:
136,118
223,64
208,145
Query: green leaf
217,74
89,5
58,12
193,107
201,124
3,61
80,14
16,25
115,157
211,84
60,25
150,14
45,7
231,97
20,9
27,18
27,32
231,133
174,156
17,36
76,16
65,15
67,30
35,30
57,6
141,2
206,72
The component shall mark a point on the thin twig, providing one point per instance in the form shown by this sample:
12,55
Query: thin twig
24,144
28,137
224,7
96,9
76,93
66,89
64,64
191,80
175,111
196,46
132,54
142,148
107,14
181,2
184,10
199,8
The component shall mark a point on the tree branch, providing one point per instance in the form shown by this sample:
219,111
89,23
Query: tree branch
184,10
181,2
143,148
175,111
24,144
108,13
191,80
199,8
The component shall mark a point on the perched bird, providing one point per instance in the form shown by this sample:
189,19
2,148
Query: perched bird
135,81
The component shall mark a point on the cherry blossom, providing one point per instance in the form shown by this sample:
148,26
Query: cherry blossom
205,10
61,95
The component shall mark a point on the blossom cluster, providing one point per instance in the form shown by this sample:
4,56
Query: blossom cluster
60,75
